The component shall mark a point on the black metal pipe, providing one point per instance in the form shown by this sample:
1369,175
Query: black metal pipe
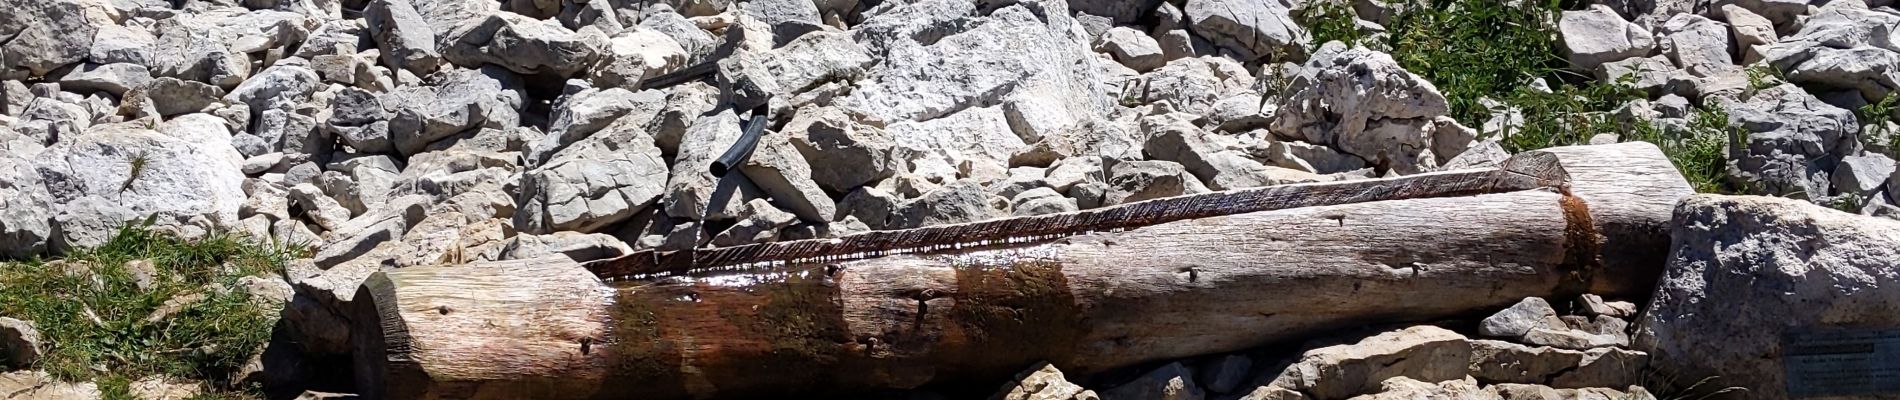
742,149
693,73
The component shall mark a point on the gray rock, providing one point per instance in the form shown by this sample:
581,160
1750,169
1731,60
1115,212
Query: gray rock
1506,362
1612,367
323,210
869,205
1043,383
1565,338
975,143
1519,319
1241,113
580,247
955,203
1251,29
920,23
1132,48
690,189
1863,174
844,152
19,344
1425,353
802,65
698,43
171,96
788,19
588,112
1020,179
1315,158
1652,74
26,209
38,385
1172,137
110,78
1132,181
47,35
1749,30
1072,171
1598,35
1789,137
1399,128
1195,85
1746,272
631,57
465,99
1402,388
1170,382
335,37
358,117
524,45
282,87
1591,305
594,183
190,180
115,44
1011,50
405,38
783,174
1700,45
197,48
761,224
1041,201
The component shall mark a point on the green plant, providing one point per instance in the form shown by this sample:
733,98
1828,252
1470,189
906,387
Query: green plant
97,322
1329,20
1470,49
137,163
1762,76
1874,117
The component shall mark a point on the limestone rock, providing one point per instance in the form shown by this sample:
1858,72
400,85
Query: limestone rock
463,99
1043,383
1863,174
1251,29
37,385
110,78
580,247
1011,50
524,45
172,96
98,181
691,187
1424,353
761,224
1170,382
1790,136
1132,181
19,344
1196,85
844,152
1513,322
1698,44
1400,388
1505,362
1040,201
1598,35
958,202
1362,102
1224,374
405,38
635,55
1744,272
47,35
782,173
1132,48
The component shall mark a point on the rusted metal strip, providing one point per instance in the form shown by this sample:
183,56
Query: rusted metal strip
1524,172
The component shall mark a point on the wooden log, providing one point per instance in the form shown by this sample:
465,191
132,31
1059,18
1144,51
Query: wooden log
1086,302
1631,189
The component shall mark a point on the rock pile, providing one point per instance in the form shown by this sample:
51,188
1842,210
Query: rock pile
1525,351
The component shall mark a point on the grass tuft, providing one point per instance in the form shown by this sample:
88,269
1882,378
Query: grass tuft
97,323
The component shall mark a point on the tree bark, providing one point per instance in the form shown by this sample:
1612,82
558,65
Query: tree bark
1088,302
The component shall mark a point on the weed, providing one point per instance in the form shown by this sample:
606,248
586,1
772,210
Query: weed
1329,20
138,163
1874,117
97,323
1762,76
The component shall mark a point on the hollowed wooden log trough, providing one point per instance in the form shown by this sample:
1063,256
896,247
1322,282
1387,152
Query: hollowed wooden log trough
975,303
